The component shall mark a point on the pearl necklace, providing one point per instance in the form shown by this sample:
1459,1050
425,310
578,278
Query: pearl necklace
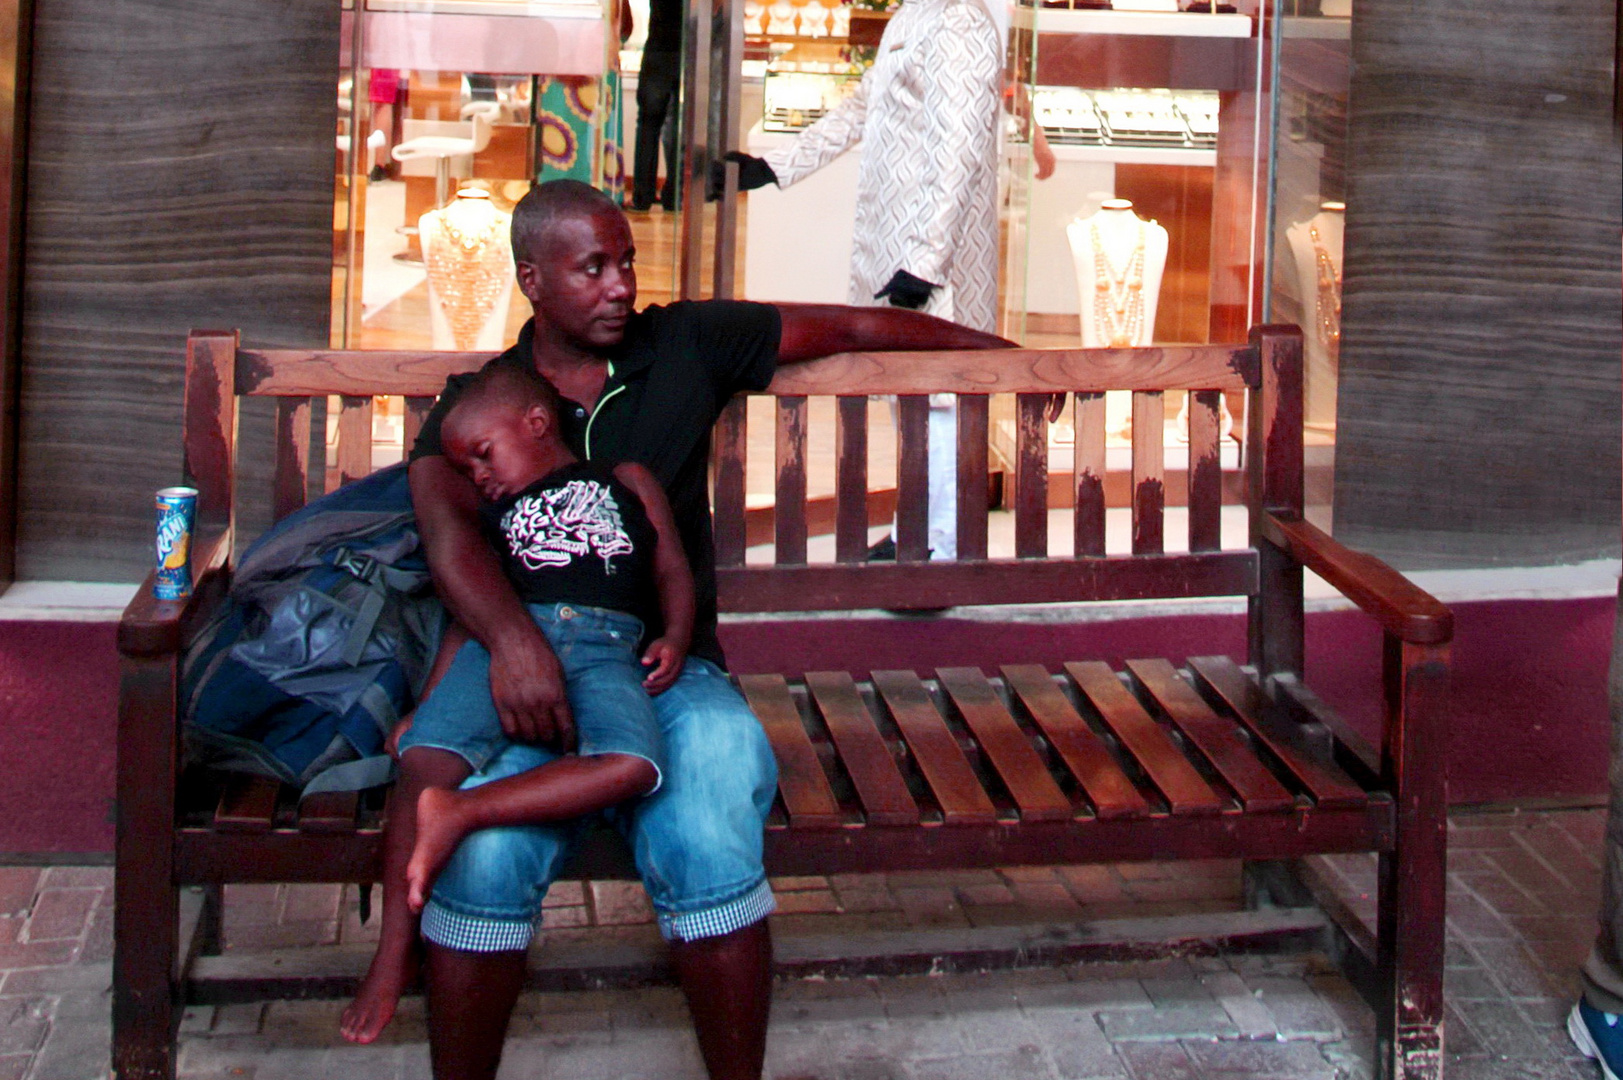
1118,298
467,254
1327,308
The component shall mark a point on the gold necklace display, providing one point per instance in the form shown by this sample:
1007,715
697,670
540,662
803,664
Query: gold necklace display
1327,307
468,256
1118,297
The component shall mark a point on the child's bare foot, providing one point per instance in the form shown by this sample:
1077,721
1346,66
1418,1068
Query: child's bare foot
391,972
439,831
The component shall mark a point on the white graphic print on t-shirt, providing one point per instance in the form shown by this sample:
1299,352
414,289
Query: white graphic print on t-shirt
553,527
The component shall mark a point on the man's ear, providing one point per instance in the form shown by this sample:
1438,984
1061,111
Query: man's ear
529,280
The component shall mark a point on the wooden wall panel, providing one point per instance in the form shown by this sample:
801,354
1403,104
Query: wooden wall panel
1479,398
180,175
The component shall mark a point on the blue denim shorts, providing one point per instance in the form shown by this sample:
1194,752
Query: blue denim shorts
603,675
697,841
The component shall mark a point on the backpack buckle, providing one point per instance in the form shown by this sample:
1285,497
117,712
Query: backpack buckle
362,566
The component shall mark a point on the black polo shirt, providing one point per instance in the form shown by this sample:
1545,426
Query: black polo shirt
669,378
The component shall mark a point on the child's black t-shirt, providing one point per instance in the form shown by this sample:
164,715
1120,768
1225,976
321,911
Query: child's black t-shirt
578,536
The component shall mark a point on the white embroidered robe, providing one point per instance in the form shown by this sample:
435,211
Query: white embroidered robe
927,116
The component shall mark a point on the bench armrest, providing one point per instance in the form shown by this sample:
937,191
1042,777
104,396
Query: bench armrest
1398,604
151,627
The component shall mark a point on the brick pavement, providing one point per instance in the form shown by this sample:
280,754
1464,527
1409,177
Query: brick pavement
1522,895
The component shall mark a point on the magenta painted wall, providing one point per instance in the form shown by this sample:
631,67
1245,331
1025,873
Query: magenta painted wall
1530,693
58,703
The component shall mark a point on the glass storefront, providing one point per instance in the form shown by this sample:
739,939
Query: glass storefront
1195,185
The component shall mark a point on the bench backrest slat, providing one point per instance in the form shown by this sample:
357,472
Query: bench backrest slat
729,443
1088,501
974,490
292,455
1268,367
850,479
1205,474
912,478
1149,472
789,498
1031,476
354,440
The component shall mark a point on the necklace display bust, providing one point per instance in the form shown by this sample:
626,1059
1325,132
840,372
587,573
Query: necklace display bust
1315,246
1119,259
468,255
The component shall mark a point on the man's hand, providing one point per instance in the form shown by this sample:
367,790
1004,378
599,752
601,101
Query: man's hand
665,656
906,291
527,685
753,172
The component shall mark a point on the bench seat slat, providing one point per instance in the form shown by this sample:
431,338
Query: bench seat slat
963,800
1078,746
805,787
1185,789
879,783
1328,785
1008,748
247,804
1217,737
329,812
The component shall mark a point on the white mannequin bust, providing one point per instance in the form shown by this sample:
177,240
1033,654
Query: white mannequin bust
1119,260
1315,246
780,19
468,254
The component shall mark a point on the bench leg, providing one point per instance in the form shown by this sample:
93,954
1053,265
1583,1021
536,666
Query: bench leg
1413,877
146,901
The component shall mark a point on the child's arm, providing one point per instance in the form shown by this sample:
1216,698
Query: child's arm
672,576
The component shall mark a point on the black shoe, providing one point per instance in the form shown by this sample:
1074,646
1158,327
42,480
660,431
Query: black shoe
377,175
638,206
884,551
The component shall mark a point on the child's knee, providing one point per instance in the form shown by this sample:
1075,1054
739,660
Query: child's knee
635,773
430,766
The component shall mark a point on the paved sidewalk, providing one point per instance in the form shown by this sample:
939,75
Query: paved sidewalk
1523,891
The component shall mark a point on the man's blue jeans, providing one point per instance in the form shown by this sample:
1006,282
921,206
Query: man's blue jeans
697,840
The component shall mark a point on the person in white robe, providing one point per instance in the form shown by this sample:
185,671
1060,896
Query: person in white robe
926,234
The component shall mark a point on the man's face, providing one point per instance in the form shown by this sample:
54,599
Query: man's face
498,447
583,281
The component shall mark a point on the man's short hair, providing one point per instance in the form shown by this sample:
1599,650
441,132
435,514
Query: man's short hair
508,384
548,204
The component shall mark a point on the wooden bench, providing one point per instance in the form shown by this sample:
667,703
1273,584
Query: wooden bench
896,770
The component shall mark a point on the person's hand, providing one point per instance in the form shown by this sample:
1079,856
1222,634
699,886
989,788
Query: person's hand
1042,155
391,745
527,685
753,172
906,291
665,657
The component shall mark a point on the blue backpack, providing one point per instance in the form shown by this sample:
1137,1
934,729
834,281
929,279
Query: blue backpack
322,645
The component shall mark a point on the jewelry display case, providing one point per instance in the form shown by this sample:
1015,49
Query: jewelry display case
1222,133
436,95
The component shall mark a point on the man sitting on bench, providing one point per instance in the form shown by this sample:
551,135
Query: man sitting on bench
645,387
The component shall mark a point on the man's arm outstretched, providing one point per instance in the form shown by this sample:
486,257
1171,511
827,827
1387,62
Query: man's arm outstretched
811,331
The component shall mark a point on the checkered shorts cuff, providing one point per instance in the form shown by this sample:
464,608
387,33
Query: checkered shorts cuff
747,910
469,933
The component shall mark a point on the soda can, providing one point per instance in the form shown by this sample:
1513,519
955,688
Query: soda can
177,515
